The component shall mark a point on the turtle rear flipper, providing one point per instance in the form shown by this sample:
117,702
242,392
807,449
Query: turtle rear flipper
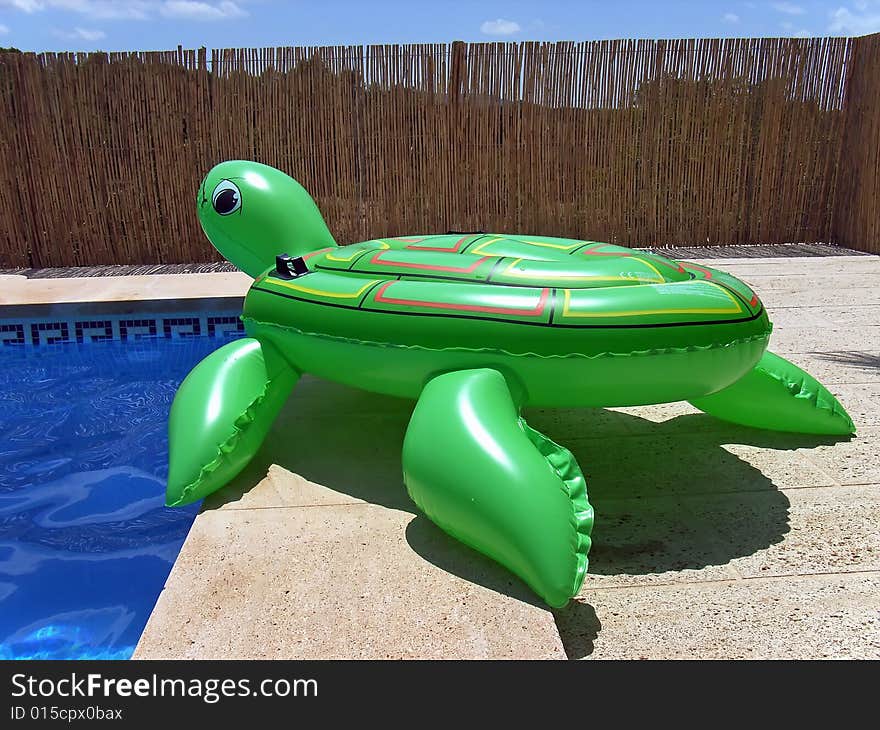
777,395
220,416
477,470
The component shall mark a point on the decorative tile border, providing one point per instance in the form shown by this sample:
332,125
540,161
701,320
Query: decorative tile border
126,327
12,334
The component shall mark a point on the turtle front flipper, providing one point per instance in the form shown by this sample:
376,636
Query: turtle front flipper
777,395
220,416
477,470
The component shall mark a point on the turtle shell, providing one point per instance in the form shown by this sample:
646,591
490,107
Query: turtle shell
386,314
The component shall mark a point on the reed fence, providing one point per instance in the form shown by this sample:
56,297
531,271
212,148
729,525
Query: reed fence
689,142
856,221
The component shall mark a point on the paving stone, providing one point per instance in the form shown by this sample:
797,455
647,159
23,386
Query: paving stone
832,368
645,541
836,616
333,445
856,461
641,419
862,402
794,297
21,290
824,339
280,488
676,464
353,581
824,316
775,266
567,424
831,529
808,282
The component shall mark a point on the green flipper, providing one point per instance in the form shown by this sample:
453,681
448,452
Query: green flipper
220,416
477,470
779,396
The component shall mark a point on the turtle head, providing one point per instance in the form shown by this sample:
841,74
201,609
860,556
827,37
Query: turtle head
252,212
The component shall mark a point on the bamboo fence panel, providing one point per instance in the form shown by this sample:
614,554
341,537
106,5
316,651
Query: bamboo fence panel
636,142
857,207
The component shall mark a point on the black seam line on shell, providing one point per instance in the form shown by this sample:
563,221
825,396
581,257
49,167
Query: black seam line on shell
367,293
580,248
657,325
351,263
735,293
543,356
494,268
480,237
552,304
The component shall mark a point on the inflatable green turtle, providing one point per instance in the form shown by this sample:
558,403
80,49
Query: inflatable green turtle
474,327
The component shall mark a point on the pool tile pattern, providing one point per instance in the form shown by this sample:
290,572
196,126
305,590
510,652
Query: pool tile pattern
44,332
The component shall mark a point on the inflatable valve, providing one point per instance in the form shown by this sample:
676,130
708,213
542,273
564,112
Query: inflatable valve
290,267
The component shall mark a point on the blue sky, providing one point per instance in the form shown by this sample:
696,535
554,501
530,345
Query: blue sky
161,24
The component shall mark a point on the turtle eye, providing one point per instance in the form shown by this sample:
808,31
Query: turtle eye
226,198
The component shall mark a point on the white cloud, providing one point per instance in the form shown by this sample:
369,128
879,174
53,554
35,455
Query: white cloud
27,6
105,9
192,10
134,9
98,9
790,31
3,29
81,34
866,19
89,35
788,8
730,18
500,27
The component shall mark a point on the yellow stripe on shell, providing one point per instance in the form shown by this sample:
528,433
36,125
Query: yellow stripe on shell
737,309
660,277
382,246
318,292
480,248
580,277
562,247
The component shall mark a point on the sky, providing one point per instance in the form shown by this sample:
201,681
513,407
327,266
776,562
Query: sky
113,25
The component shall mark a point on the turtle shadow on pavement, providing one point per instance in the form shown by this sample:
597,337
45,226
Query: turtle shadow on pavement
668,496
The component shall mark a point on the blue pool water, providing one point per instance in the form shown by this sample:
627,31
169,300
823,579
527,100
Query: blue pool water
85,541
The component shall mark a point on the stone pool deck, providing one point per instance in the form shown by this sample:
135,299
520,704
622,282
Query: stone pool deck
18,289
711,541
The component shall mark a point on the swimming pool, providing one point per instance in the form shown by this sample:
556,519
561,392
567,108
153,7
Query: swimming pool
85,541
